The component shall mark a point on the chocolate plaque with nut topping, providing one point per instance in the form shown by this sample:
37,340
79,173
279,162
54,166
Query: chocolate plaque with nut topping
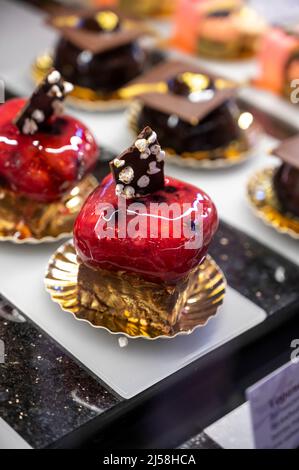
140,169
190,93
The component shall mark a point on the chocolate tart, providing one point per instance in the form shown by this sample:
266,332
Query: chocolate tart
99,52
197,118
45,162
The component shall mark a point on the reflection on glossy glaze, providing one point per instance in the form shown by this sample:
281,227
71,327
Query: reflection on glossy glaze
45,165
155,258
286,185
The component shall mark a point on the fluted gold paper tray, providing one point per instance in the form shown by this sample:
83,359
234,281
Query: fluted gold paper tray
263,201
234,154
60,216
203,303
81,97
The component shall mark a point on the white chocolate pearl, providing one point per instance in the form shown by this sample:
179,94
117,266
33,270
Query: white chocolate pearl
29,127
55,91
119,188
38,115
129,192
155,149
126,175
118,163
54,77
152,138
141,145
153,168
160,156
143,181
68,87
145,154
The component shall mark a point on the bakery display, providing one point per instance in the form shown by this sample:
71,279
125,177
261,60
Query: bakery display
148,278
99,51
220,29
196,116
277,71
45,163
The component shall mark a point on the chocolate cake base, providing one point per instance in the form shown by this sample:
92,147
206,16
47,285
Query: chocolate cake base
130,297
218,130
104,72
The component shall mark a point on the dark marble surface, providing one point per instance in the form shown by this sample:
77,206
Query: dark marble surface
257,272
44,393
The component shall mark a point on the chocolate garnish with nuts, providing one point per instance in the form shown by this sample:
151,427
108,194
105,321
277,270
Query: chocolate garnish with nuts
45,102
139,170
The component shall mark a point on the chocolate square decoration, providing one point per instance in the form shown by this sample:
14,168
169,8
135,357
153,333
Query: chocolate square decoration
182,106
101,40
139,170
288,151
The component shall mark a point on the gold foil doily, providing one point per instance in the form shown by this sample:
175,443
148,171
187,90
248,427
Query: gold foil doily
235,153
25,221
263,200
202,304
81,97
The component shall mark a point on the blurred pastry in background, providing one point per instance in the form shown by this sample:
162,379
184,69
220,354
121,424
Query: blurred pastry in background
148,7
98,51
279,60
221,29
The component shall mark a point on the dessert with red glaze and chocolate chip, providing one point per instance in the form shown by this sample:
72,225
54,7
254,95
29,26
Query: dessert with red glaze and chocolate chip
144,276
286,177
45,161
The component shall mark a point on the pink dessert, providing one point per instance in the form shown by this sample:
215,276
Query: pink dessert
225,29
277,70
157,269
44,155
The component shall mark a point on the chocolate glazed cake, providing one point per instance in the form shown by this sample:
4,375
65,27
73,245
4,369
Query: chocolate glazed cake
143,279
98,50
286,178
195,116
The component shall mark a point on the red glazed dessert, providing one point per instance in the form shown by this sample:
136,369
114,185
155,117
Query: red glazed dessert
148,273
43,156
